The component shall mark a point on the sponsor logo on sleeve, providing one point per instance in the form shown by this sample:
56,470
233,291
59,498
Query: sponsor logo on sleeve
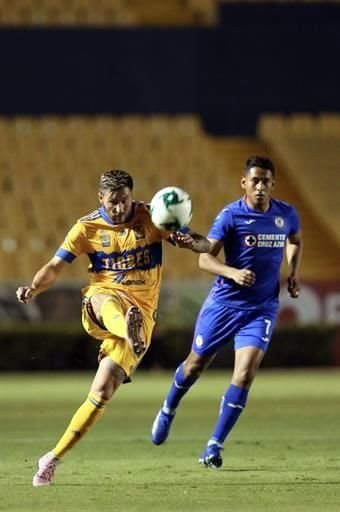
199,341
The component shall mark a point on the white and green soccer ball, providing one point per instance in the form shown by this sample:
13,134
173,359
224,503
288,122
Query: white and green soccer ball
171,209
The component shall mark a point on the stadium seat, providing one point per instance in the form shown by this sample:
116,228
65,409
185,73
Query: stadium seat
309,151
108,13
50,169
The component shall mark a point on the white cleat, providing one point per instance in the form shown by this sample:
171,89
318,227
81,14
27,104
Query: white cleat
46,469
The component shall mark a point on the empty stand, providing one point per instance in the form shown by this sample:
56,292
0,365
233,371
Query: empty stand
107,12
50,169
309,146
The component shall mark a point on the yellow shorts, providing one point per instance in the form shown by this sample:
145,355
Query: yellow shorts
117,348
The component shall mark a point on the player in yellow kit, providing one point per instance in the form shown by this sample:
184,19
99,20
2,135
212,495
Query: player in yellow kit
120,303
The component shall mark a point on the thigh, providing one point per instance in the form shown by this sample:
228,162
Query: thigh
91,306
98,299
121,353
248,358
247,362
216,325
196,363
257,330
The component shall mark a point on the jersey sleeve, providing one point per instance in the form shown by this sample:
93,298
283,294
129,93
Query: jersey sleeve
74,244
222,225
294,222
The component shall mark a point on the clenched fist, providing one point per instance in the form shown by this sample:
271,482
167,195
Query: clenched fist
25,294
244,277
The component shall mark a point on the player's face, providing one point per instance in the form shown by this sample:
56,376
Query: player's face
118,205
258,184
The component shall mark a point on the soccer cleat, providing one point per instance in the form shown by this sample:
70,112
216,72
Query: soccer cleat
161,427
46,469
134,321
211,457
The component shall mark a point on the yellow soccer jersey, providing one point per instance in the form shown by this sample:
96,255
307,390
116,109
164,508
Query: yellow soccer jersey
122,256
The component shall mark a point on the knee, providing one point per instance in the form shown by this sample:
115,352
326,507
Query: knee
108,379
243,378
193,368
104,394
105,390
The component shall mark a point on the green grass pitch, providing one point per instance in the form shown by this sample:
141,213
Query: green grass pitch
283,455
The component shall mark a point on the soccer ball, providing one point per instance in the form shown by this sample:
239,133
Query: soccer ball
171,209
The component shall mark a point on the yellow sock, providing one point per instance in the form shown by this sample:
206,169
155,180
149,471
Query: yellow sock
86,416
113,317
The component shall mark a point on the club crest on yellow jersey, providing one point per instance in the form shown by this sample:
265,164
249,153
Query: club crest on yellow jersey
105,238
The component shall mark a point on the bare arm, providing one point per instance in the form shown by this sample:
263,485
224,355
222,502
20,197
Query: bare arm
191,240
294,255
43,280
212,264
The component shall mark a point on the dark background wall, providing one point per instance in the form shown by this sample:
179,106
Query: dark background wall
258,59
59,347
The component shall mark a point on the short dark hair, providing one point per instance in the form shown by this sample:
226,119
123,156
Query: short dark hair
114,180
259,161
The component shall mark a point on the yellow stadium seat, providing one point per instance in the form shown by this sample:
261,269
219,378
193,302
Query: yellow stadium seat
309,151
50,169
108,12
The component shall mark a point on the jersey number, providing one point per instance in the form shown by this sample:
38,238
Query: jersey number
268,324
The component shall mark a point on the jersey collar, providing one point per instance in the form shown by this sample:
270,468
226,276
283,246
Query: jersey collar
246,205
107,219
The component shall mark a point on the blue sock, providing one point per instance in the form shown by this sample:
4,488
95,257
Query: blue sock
179,387
232,404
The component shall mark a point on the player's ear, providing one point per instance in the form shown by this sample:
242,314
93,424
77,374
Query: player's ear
243,182
100,197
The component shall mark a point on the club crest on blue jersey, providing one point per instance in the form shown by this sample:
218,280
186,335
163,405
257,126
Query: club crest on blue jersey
279,222
105,239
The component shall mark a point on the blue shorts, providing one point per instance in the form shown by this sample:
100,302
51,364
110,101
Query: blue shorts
217,323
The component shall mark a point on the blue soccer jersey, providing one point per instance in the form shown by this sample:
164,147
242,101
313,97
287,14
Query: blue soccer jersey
256,241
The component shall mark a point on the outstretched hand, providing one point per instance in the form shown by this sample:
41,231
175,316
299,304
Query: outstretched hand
25,294
183,240
293,287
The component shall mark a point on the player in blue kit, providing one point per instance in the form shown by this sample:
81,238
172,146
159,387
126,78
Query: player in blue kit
254,232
